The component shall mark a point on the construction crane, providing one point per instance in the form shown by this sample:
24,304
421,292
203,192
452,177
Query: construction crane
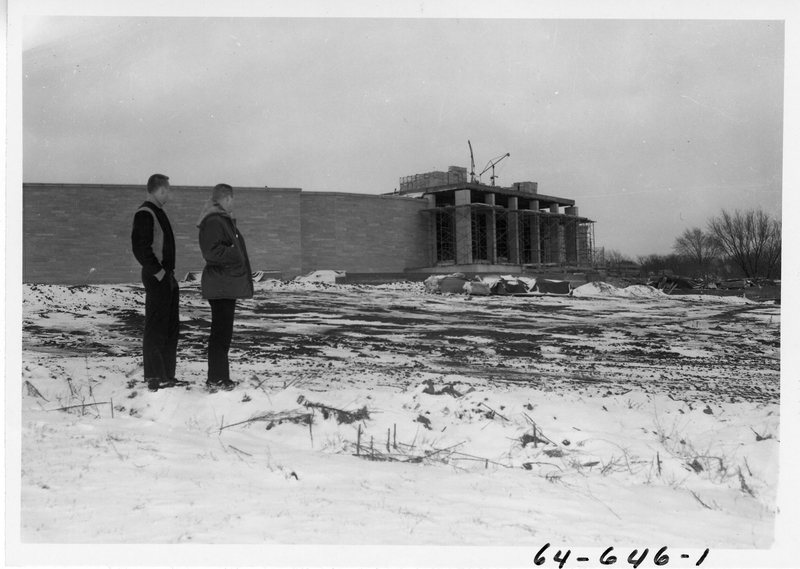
472,164
492,165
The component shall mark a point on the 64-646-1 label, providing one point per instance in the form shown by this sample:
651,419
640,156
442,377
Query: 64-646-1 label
635,558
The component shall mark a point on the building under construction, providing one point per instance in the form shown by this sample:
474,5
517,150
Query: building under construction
475,227
437,222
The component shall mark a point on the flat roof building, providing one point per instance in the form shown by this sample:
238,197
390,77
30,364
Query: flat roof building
436,222
475,227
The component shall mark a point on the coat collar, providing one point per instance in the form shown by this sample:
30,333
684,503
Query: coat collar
154,200
211,207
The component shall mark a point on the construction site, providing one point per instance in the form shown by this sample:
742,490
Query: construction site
475,227
436,222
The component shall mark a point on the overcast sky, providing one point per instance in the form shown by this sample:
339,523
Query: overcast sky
652,126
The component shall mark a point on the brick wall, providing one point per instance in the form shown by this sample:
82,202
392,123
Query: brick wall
75,234
269,219
363,233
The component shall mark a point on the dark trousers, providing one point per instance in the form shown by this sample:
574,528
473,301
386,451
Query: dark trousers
219,342
161,324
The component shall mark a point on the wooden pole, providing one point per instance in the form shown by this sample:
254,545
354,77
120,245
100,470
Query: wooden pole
112,407
395,436
82,406
358,444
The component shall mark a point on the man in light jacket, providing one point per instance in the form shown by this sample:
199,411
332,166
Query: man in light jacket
226,277
153,245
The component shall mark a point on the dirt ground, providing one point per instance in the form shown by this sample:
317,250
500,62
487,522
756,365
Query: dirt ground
690,348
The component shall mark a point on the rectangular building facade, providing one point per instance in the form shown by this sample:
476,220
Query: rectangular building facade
76,234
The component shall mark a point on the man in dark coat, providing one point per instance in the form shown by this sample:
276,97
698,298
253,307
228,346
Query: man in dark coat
153,245
226,277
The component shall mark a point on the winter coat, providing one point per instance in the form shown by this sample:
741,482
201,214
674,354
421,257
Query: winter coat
227,273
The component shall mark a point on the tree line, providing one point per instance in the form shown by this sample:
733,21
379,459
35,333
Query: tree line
733,245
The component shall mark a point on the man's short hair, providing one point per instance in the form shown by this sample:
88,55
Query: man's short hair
157,181
221,191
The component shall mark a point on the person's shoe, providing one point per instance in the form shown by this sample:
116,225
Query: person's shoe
172,382
153,384
225,385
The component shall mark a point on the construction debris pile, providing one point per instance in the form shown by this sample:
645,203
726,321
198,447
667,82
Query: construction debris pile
670,283
458,283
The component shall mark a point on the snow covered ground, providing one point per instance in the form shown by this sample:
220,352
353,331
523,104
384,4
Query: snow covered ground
384,416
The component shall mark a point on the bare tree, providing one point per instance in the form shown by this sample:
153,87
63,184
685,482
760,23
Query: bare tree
655,264
614,258
700,248
616,261
751,239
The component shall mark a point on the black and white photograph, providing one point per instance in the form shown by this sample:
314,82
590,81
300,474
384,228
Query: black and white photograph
425,285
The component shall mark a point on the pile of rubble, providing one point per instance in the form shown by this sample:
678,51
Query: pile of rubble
670,283
458,283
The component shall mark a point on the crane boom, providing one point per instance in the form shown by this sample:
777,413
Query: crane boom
492,164
472,164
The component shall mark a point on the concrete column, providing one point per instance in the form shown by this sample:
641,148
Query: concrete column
585,245
513,231
534,234
491,230
571,236
463,223
556,237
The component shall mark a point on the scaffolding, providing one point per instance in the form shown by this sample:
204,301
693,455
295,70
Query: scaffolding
500,236
444,238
